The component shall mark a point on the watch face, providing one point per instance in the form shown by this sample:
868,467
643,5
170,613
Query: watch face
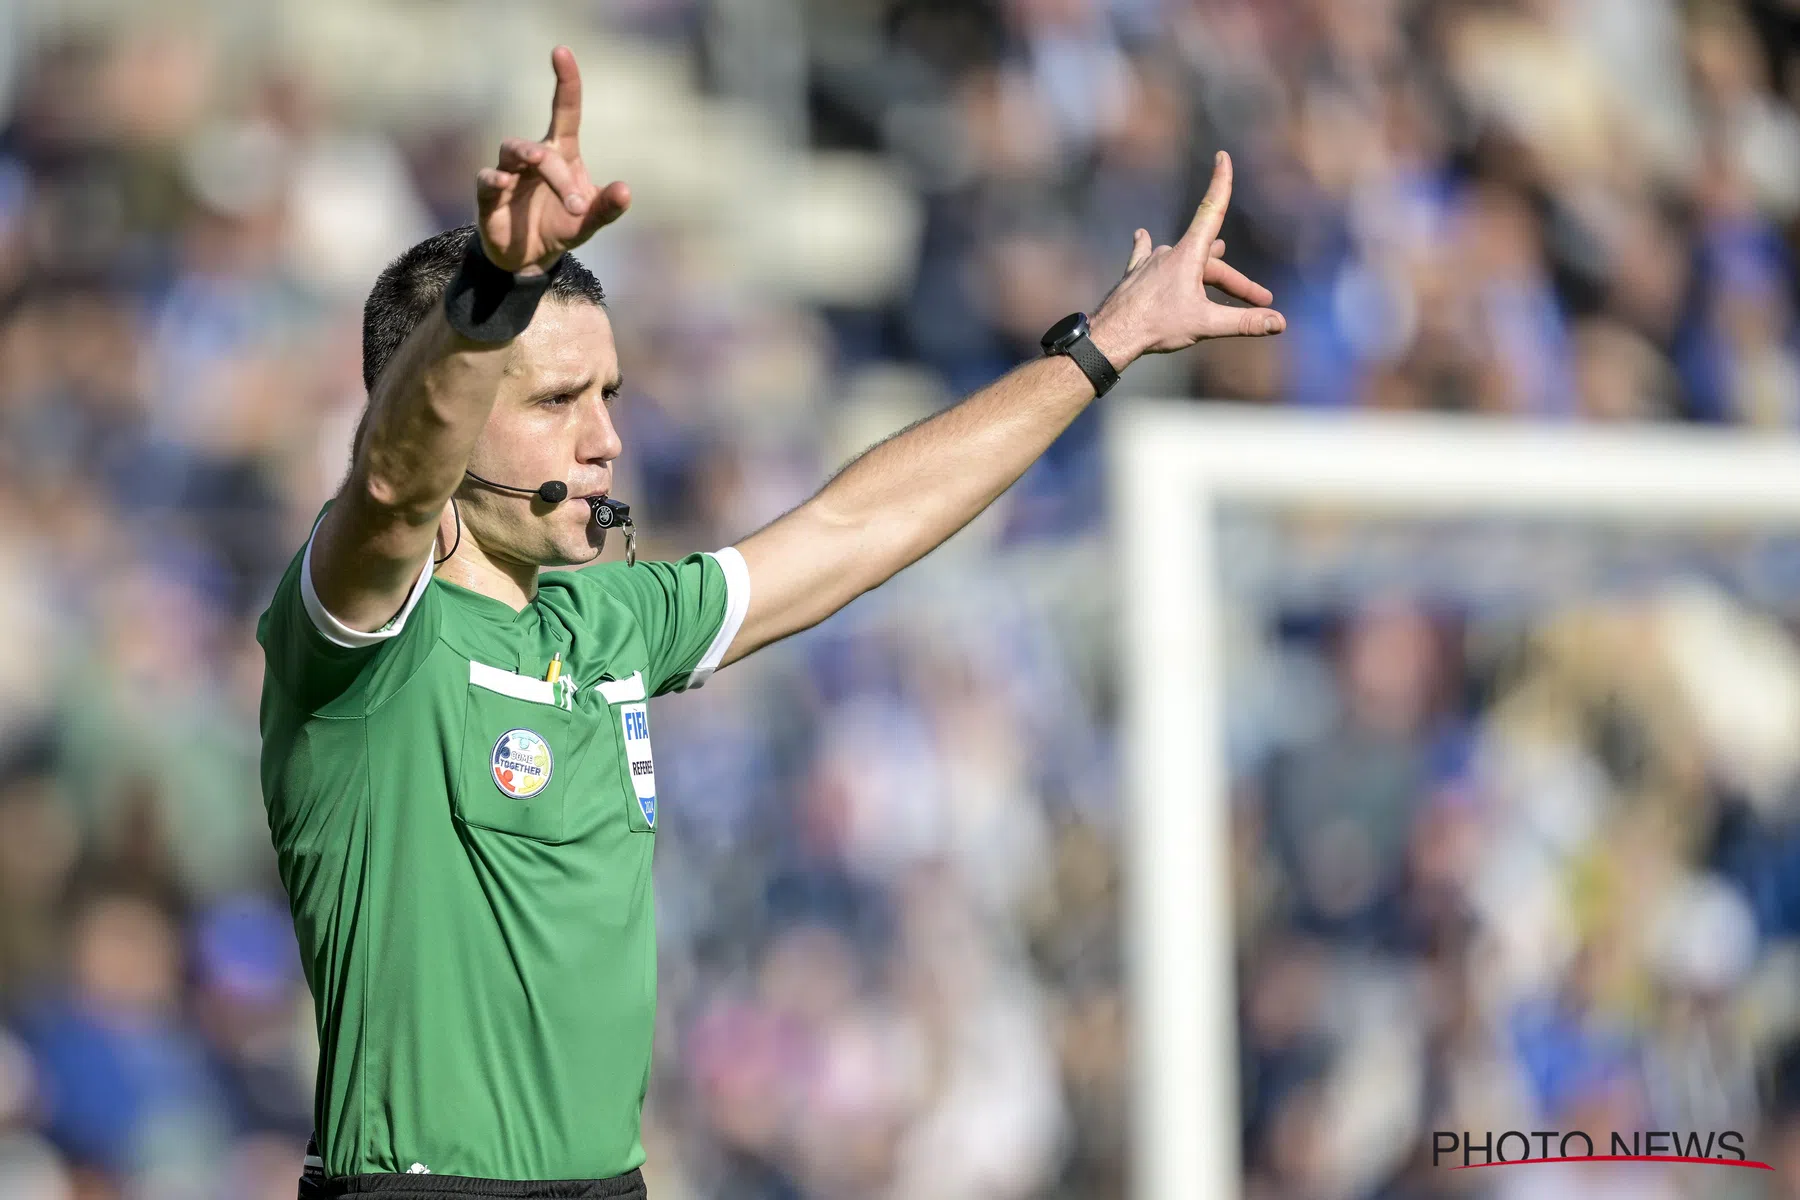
1063,334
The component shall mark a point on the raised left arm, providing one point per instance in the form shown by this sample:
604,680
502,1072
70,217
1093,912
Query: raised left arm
902,498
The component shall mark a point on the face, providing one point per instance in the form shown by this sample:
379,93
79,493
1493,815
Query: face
551,420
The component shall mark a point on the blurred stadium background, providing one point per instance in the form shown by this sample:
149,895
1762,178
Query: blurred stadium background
891,873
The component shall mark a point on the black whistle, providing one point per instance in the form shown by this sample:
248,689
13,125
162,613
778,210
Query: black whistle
610,514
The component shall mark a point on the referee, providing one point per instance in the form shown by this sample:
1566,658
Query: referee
456,748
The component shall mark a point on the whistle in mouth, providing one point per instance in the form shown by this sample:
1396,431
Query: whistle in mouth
609,514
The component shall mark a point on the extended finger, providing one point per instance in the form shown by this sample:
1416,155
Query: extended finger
565,105
1210,216
491,181
1140,250
1260,322
565,180
519,156
608,205
1235,283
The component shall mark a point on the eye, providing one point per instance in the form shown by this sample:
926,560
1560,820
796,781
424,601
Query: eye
560,399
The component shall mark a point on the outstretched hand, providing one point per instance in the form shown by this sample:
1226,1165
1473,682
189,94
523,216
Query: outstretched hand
538,201
1161,304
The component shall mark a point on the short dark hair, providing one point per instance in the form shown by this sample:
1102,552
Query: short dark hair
412,285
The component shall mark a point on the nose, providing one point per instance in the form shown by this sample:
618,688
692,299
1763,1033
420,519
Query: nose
598,443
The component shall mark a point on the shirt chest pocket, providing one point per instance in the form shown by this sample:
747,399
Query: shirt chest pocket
522,745
630,721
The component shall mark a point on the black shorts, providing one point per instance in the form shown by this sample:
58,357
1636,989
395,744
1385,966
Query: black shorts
629,1186
316,1185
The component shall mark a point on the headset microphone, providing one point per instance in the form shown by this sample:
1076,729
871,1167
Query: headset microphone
553,491
607,512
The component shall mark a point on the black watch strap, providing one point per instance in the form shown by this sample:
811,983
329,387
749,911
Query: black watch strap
1095,365
486,303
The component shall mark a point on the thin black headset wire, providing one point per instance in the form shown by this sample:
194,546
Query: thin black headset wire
503,487
438,562
500,487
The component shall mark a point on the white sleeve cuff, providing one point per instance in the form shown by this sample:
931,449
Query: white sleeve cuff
340,634
737,603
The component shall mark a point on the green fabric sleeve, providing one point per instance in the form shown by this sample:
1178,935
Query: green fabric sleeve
682,608
320,675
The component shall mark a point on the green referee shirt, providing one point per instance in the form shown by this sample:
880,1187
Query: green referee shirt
466,850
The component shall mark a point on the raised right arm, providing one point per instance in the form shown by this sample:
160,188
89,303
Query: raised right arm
432,399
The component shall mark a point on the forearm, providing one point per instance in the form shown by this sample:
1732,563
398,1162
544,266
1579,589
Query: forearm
897,501
428,409
909,493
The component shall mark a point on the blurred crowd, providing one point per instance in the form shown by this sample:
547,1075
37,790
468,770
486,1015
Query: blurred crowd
1514,851
1490,869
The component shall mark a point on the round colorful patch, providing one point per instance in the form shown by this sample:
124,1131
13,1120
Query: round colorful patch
521,763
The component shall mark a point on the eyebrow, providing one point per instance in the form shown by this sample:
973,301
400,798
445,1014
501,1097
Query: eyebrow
615,384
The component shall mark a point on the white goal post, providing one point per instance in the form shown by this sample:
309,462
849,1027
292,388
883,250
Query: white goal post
1173,464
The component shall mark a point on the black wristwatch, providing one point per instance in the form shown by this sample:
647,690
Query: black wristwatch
1070,336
